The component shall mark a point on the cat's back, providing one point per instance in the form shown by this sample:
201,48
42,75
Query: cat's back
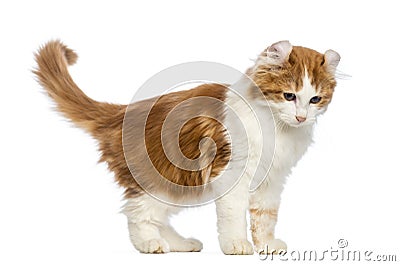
179,129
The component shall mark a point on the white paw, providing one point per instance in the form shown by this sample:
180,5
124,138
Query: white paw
236,247
153,246
193,244
272,246
186,245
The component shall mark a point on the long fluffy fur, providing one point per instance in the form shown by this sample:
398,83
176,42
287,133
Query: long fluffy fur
52,61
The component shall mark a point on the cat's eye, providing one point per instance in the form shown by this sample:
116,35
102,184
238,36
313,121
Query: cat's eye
315,99
289,96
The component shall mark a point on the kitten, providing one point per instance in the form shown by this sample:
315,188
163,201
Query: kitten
290,86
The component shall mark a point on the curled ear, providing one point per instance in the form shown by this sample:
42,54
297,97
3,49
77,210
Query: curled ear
331,60
278,53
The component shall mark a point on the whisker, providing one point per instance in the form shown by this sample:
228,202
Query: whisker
341,75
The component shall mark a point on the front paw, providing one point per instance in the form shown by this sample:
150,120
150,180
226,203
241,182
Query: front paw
273,246
236,246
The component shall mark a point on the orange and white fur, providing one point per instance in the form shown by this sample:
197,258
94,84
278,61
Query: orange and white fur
297,83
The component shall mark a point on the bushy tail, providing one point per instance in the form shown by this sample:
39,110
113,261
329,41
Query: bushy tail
52,73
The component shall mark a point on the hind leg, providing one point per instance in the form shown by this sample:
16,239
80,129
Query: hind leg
144,217
149,228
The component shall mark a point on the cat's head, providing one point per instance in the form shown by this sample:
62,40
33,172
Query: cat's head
297,82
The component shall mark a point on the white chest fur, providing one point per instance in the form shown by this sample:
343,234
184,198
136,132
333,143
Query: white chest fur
290,146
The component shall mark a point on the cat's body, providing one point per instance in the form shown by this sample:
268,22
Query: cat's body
296,85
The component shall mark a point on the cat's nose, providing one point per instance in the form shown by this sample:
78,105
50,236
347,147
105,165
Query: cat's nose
300,118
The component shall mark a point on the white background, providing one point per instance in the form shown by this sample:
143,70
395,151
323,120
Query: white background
58,207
